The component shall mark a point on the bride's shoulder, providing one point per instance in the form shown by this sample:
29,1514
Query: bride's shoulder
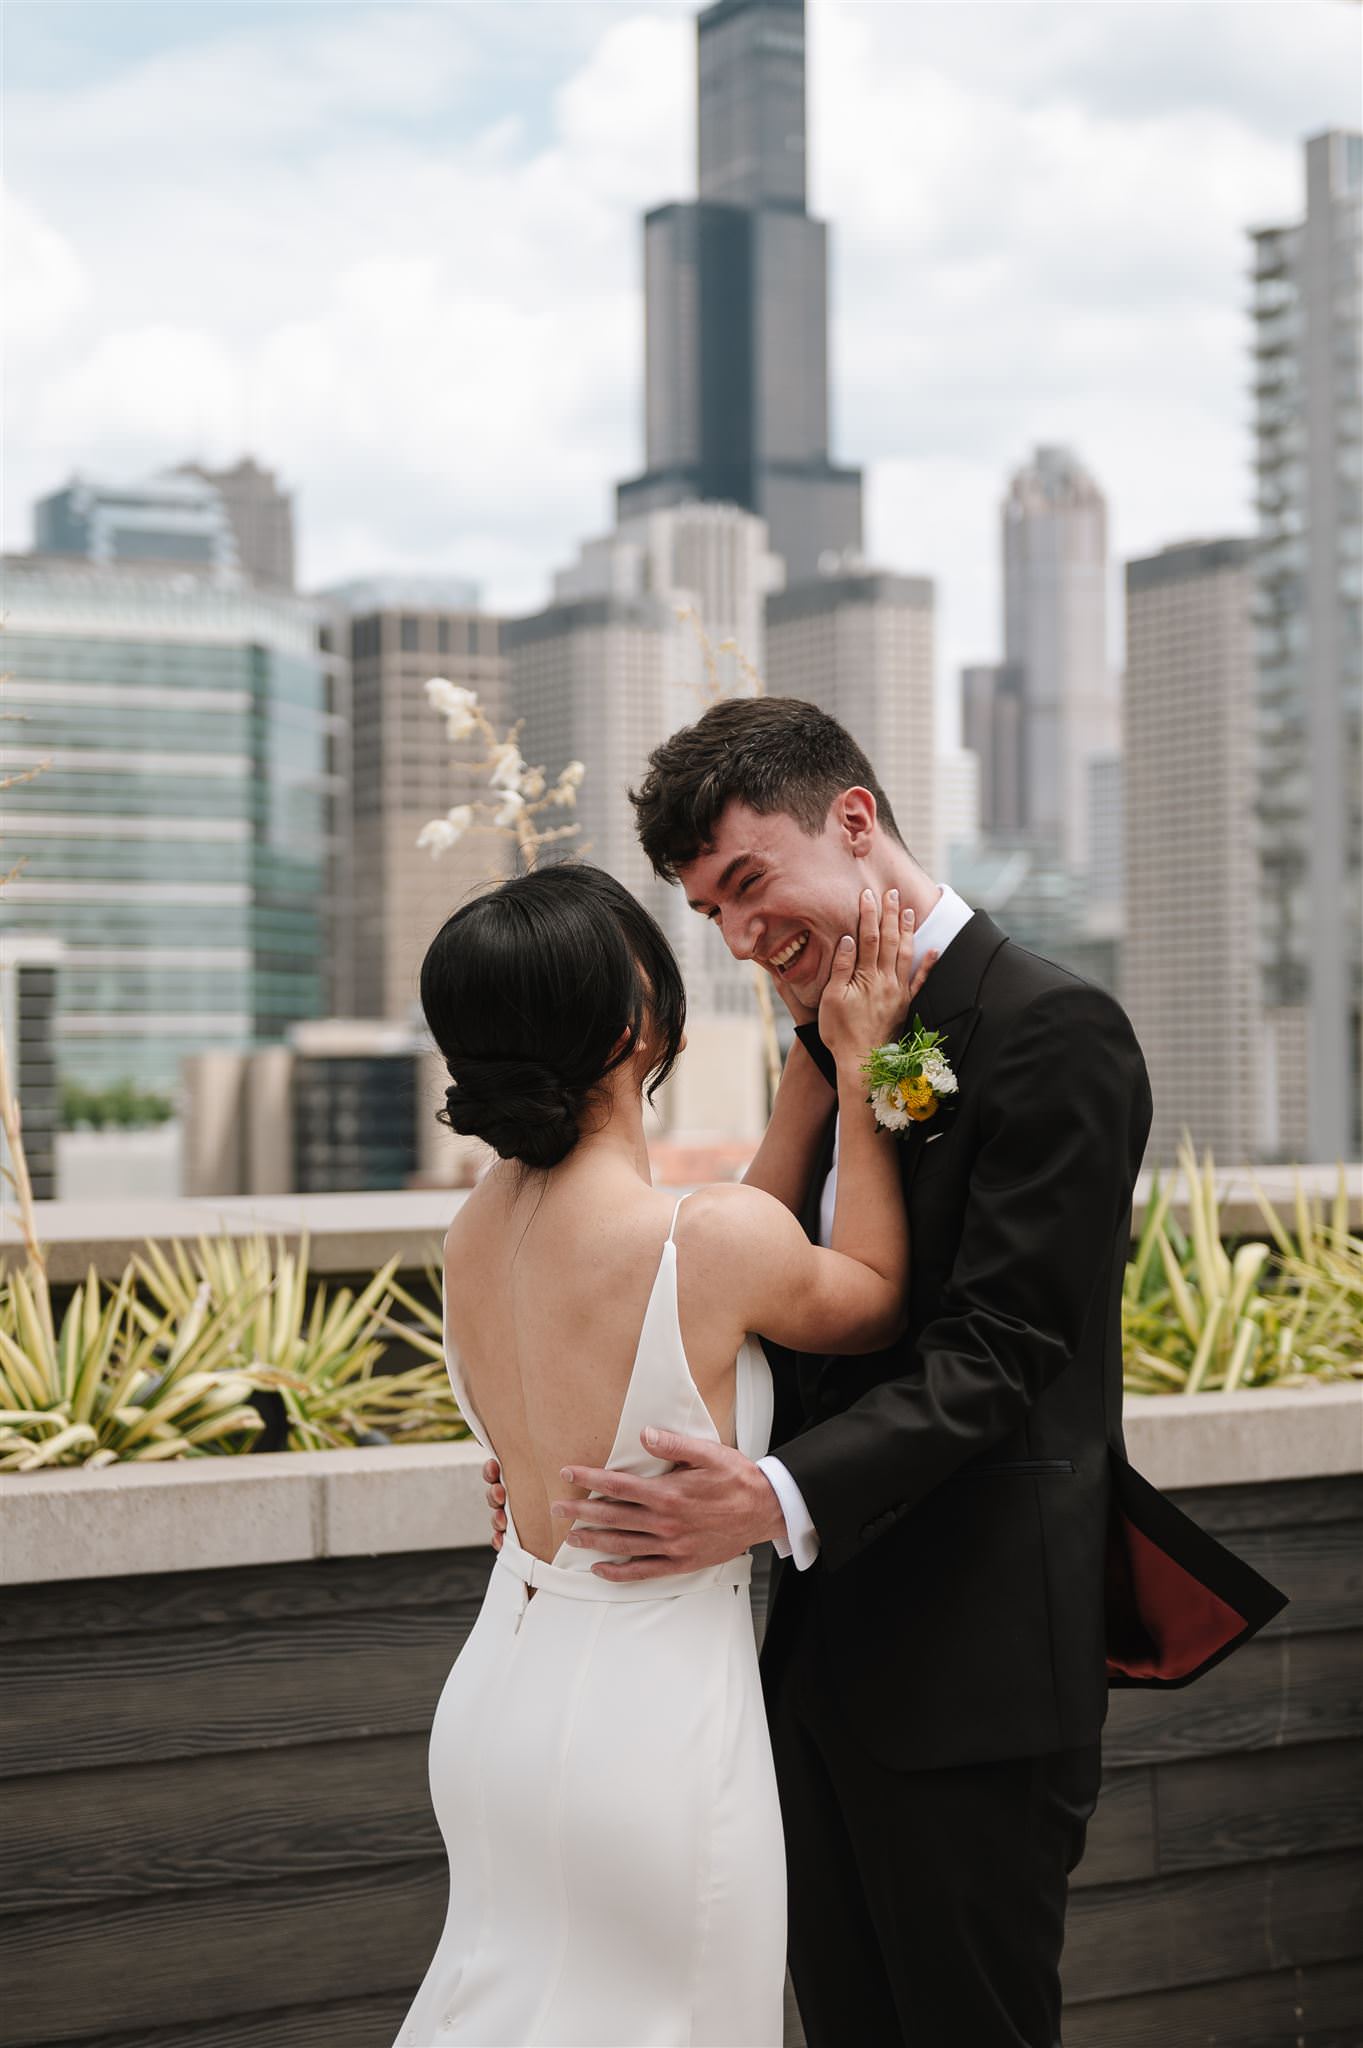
730,1218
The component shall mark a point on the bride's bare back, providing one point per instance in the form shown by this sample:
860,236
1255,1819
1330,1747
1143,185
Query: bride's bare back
546,1284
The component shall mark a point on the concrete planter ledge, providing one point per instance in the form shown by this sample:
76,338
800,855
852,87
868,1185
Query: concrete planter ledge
355,1233
272,1507
279,1507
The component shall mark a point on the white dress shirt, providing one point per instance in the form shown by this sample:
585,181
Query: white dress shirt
949,915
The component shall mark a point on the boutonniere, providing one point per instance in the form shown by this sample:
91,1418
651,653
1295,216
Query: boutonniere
909,1081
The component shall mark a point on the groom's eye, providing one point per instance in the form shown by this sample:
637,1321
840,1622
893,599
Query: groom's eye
748,881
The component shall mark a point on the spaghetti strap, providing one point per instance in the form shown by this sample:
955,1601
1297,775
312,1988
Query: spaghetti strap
672,1233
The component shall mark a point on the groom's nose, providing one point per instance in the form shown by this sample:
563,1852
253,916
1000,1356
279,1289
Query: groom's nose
741,934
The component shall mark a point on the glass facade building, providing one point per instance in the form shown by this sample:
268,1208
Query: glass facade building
180,517
736,306
1308,355
178,838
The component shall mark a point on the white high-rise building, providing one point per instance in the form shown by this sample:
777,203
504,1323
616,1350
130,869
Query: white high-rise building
1055,568
587,678
860,646
647,627
1106,831
958,808
991,730
1188,971
391,634
1308,349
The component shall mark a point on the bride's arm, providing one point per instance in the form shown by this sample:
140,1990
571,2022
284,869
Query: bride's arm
784,1161
849,1297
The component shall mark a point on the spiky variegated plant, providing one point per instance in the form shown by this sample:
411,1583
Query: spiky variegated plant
320,1356
115,1381
1199,1319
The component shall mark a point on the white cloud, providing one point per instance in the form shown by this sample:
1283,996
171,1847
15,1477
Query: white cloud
396,251
45,284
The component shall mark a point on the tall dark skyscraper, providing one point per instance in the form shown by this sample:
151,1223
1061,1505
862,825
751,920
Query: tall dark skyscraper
736,292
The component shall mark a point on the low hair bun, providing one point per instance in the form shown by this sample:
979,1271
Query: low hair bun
522,1110
537,993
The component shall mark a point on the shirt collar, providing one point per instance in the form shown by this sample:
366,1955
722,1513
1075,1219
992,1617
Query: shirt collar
949,916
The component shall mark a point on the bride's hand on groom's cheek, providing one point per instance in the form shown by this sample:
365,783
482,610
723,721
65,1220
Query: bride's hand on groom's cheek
873,983
800,1012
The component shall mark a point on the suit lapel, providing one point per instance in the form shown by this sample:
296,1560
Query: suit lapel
954,984
949,1004
957,1032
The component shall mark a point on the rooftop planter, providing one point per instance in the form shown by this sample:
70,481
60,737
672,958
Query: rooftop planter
277,1507
350,1234
217,1680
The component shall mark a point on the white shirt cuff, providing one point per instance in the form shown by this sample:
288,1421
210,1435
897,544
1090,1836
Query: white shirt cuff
802,1538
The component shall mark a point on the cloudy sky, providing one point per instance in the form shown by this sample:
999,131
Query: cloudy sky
393,250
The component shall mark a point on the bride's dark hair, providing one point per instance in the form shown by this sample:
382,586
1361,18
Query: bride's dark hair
526,992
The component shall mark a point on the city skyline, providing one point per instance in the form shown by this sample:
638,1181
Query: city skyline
367,369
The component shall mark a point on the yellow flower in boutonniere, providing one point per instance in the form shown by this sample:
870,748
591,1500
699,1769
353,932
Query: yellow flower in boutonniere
909,1080
917,1099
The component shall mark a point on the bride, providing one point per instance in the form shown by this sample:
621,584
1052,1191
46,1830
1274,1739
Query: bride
599,1760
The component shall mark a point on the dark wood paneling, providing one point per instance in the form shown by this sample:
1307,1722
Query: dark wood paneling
1314,2008
351,2023
1161,1820
1121,1837
1276,1504
1213,1924
162,1603
170,1962
131,1699
1272,1803
221,1803
201,1823
1319,1565
1273,1692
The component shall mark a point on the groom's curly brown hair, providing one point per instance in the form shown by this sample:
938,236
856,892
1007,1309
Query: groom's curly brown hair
770,753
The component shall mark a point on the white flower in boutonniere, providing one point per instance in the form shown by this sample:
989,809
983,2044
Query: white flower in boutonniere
910,1080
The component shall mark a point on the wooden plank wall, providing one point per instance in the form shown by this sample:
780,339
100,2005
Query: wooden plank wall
215,1829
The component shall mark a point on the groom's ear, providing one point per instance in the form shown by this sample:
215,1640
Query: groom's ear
855,813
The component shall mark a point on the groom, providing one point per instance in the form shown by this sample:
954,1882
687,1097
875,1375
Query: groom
935,1662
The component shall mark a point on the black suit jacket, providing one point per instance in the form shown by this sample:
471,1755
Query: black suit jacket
961,1481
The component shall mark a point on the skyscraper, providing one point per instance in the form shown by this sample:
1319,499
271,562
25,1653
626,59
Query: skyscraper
706,566
180,840
991,728
28,1017
736,305
1188,963
861,648
1308,348
587,675
957,785
395,633
261,516
1055,635
171,518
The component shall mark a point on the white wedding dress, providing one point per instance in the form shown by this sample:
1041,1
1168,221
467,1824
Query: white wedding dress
602,1776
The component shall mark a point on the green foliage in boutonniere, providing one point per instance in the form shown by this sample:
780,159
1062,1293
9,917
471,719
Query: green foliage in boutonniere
910,1080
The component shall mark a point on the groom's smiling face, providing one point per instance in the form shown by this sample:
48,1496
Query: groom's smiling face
783,896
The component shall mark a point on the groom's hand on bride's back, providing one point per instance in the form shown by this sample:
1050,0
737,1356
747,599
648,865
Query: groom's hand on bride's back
711,1507
496,1500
